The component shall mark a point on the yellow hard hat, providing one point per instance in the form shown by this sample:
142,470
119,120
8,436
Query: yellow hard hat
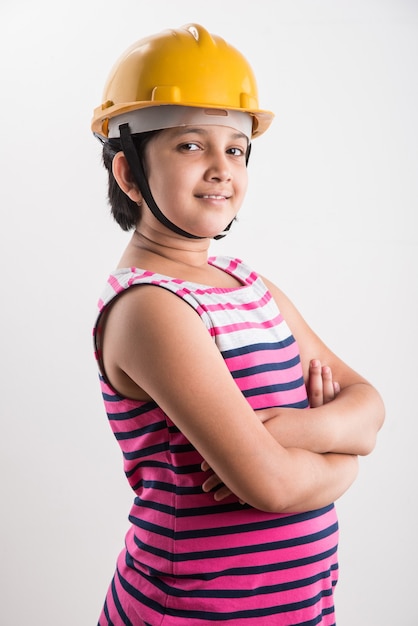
187,67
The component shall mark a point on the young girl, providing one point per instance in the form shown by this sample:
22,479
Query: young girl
205,366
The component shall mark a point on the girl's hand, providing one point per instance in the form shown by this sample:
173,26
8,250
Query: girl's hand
320,388
214,482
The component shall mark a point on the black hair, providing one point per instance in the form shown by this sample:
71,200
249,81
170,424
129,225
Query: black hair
124,210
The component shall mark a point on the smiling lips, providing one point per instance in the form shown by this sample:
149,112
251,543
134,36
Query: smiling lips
213,197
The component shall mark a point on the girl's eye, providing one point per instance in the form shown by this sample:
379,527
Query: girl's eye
189,147
236,151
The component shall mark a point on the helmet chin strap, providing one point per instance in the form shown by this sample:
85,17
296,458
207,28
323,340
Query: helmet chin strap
138,173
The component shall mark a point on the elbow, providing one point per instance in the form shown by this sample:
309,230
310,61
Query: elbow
367,446
370,439
273,500
280,499
275,505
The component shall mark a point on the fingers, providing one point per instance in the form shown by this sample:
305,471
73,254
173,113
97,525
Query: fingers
221,493
315,385
321,387
328,392
204,466
213,482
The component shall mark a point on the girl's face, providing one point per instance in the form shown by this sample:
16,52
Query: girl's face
198,176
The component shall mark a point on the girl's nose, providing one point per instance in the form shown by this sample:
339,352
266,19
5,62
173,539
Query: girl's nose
218,168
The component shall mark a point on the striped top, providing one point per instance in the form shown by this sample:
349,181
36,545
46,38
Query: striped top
187,558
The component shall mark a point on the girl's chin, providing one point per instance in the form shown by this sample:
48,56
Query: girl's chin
209,231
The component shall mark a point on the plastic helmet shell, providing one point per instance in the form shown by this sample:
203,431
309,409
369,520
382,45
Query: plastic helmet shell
188,67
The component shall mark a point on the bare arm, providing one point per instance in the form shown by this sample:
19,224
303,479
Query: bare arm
321,388
151,336
350,423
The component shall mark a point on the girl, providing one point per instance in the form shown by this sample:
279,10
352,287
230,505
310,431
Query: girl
206,367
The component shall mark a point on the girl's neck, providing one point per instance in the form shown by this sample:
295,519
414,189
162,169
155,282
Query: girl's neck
161,249
176,257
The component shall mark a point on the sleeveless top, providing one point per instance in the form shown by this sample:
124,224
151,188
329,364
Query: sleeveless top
187,558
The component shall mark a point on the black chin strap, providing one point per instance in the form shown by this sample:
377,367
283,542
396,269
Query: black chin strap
138,173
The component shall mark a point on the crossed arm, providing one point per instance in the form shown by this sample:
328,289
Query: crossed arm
280,460
321,389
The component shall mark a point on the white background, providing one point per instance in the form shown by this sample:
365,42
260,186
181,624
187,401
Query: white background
330,216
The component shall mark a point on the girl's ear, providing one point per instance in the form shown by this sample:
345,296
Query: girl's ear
123,176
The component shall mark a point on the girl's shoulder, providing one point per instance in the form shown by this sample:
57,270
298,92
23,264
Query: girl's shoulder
236,267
